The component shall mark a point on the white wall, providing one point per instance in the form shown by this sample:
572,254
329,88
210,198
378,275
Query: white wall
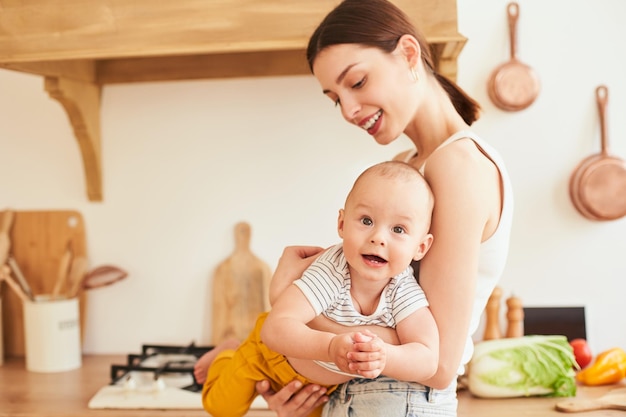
184,161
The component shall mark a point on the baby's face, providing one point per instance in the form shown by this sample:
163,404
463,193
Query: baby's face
382,226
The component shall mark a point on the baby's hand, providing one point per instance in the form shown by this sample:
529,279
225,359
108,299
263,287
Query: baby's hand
368,356
340,347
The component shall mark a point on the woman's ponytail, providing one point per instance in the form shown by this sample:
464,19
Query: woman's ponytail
465,106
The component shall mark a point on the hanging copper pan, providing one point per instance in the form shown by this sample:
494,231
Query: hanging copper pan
598,184
513,86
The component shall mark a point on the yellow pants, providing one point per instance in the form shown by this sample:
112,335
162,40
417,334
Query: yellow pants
230,386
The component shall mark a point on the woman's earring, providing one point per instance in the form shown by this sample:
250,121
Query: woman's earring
414,74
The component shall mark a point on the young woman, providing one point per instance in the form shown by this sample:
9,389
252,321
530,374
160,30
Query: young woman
374,65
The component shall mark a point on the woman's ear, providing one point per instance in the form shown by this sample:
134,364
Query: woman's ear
409,47
423,247
340,222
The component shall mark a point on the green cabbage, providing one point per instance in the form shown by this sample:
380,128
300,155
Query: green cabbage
523,366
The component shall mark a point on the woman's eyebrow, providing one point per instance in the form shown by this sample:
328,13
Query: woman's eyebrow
340,77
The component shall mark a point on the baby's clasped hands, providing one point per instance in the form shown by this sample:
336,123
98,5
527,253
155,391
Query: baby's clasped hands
368,355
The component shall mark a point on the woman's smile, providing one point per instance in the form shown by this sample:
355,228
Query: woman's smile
372,124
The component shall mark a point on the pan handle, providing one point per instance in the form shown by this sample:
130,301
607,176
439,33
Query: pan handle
602,97
513,13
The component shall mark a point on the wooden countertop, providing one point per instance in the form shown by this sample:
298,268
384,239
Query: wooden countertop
30,394
66,394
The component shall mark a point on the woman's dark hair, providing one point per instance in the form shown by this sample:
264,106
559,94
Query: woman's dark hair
381,24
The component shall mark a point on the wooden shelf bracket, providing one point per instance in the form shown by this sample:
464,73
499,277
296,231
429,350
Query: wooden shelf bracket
81,101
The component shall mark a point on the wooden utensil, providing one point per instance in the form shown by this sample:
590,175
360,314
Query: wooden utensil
240,290
62,274
17,271
5,275
78,269
5,239
513,86
613,400
598,184
99,277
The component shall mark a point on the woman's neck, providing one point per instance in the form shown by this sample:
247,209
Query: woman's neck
434,122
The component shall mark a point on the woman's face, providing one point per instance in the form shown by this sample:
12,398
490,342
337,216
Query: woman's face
372,88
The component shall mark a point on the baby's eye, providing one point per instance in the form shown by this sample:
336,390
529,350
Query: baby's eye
337,103
398,229
367,221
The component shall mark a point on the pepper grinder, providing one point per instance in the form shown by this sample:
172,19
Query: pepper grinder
515,317
492,324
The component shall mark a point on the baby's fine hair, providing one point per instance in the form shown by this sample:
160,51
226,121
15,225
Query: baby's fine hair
401,171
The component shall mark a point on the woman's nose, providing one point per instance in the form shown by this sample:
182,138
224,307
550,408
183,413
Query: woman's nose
350,109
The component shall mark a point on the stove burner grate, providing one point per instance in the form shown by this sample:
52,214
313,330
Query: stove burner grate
162,360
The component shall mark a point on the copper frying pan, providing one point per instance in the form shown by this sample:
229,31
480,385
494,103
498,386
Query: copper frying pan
598,184
513,86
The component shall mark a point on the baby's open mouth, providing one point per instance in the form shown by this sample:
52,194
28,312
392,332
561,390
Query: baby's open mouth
375,259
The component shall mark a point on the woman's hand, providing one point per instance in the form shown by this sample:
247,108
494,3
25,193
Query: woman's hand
291,265
293,400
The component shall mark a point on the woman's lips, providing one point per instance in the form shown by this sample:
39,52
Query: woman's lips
371,124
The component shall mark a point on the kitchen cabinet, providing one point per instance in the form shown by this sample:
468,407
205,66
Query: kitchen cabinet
79,46
66,394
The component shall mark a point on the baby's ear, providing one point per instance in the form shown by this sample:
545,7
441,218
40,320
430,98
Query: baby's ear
423,247
340,221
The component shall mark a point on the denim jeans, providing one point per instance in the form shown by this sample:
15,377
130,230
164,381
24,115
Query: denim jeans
386,397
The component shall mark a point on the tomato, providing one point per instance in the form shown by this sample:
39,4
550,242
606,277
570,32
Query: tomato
582,352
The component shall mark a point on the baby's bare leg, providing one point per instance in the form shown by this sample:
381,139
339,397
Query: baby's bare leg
203,364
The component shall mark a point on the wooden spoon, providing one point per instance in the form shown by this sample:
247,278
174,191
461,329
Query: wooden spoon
62,273
77,275
98,277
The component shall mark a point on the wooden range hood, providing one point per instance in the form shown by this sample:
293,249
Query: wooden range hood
79,46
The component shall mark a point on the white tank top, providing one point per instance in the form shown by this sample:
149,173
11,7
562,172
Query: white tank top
493,251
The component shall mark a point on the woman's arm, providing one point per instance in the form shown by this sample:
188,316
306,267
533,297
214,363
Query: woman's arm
466,186
291,265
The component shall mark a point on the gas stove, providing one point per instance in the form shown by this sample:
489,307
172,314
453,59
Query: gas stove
160,377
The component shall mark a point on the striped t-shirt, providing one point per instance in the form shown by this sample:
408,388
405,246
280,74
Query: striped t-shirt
326,285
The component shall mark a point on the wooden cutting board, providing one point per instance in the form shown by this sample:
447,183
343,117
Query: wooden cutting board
240,290
613,400
39,240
